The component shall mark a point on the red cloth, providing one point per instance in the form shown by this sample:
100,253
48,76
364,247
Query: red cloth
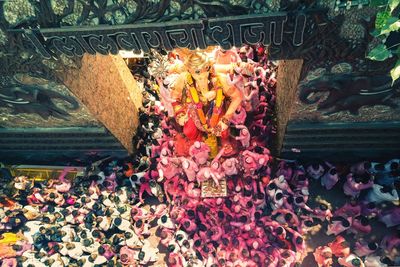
182,145
191,132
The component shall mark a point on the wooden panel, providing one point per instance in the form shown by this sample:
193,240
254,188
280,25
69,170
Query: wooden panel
287,80
109,91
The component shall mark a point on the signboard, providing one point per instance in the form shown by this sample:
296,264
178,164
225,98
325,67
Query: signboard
281,30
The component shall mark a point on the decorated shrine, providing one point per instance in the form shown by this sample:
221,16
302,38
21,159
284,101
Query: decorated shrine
199,133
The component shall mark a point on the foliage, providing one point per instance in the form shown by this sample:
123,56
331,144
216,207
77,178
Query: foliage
386,22
379,53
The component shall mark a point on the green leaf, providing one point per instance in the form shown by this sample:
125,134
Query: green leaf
391,20
381,19
379,53
392,25
395,72
395,26
393,4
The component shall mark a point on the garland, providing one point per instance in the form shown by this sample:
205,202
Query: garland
217,110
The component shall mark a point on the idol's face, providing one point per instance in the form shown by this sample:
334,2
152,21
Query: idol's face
199,73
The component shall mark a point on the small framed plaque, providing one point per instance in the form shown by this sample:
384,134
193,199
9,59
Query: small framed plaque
210,189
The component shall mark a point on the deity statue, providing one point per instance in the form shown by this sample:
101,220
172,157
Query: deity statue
204,102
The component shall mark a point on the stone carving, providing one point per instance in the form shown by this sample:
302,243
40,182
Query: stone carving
56,13
35,99
349,91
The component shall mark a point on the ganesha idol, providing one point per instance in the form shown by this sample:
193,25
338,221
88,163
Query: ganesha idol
204,103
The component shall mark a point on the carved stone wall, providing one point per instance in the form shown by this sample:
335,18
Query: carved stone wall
55,13
106,87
